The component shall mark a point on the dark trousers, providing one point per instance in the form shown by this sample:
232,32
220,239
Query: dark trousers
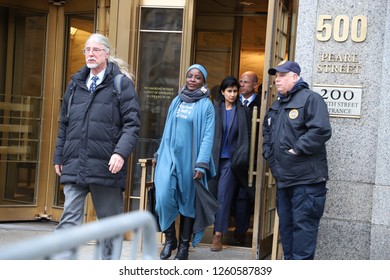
227,186
243,210
300,209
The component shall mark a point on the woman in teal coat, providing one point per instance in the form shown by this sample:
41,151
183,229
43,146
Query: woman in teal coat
184,164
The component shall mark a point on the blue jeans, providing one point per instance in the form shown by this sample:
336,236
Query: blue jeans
300,209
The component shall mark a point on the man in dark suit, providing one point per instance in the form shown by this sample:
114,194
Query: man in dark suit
248,95
245,196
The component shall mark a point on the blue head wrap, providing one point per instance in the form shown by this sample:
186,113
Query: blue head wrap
200,68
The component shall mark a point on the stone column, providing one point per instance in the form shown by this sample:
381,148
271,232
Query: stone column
357,216
380,230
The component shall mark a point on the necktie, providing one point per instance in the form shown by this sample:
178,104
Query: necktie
93,84
246,103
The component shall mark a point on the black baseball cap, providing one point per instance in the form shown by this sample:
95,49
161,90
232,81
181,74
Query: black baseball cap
284,67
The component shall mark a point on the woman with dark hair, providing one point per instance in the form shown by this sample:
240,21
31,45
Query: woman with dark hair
184,165
230,153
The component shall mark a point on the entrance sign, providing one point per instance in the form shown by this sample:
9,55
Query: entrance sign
337,59
342,101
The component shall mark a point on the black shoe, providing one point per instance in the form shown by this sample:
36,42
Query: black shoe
238,240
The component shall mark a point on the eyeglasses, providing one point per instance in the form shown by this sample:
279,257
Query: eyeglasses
93,50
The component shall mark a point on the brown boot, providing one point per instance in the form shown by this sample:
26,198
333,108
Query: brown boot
217,242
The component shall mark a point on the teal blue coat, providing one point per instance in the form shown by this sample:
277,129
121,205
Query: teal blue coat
186,146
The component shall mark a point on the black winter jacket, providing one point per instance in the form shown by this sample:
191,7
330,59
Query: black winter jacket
239,146
95,127
299,121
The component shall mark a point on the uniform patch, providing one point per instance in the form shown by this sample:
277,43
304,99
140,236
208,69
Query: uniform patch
293,114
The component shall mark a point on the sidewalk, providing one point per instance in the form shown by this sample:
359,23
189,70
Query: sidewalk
20,231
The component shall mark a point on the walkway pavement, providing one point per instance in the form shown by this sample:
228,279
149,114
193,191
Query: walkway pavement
20,231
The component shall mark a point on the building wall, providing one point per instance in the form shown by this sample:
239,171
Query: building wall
356,223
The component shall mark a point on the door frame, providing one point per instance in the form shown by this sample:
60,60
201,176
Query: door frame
30,211
277,26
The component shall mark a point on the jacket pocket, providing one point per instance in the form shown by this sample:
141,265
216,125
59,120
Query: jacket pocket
295,166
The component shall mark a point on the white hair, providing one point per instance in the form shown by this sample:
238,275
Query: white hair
103,40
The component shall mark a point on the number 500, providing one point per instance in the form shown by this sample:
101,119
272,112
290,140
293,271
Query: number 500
340,28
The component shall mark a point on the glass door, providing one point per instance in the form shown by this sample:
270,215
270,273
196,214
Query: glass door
22,40
33,45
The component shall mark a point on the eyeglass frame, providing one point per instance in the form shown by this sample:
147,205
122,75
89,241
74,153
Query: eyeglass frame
93,50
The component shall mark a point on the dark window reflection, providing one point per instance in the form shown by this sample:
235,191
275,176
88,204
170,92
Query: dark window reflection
161,19
157,80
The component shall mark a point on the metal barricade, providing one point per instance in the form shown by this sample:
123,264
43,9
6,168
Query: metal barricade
142,223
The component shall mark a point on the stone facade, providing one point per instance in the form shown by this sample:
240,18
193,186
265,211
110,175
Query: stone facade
356,223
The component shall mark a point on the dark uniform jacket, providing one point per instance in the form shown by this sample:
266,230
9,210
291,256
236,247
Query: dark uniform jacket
95,126
299,121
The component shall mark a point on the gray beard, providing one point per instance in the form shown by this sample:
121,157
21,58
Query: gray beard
92,65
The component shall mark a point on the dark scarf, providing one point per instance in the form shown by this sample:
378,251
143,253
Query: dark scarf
189,96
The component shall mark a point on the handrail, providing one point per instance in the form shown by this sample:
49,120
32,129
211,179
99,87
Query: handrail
46,247
145,183
252,147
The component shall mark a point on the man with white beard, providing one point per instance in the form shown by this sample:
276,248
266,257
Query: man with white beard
98,131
